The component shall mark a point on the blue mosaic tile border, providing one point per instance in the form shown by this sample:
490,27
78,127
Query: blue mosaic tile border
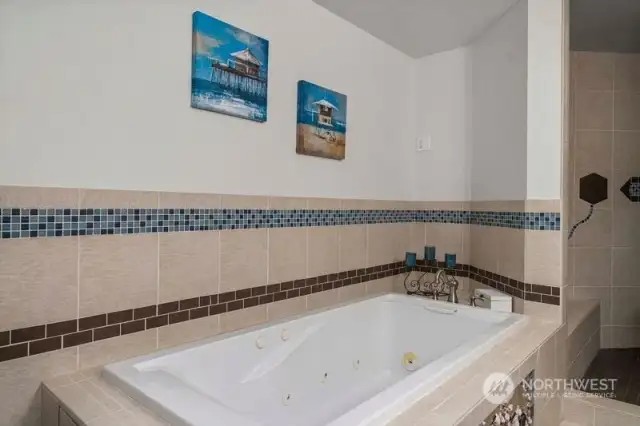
34,223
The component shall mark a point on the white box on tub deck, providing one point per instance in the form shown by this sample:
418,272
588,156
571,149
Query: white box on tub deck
360,363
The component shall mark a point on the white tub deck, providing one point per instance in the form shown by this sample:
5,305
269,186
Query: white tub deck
340,367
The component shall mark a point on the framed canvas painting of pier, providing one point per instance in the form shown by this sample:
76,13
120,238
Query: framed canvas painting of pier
322,122
229,69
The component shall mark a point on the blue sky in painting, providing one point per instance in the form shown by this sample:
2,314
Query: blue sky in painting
311,93
219,40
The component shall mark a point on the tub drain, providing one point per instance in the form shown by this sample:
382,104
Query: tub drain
410,361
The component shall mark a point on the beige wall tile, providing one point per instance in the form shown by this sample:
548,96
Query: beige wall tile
243,259
592,266
381,247
383,285
323,250
38,281
626,226
511,249
117,272
561,352
188,265
286,308
601,294
20,381
351,292
546,361
401,240
287,254
188,331
543,258
542,310
353,247
324,204
594,233
594,110
448,238
188,201
605,336
627,111
445,205
244,202
627,76
580,365
418,238
243,318
626,155
581,335
594,151
550,414
355,204
542,206
86,405
102,198
118,348
625,336
485,250
322,299
32,196
626,309
625,270
606,417
592,71
578,412
287,203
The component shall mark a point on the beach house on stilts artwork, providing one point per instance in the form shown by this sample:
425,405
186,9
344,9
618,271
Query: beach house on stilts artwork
229,69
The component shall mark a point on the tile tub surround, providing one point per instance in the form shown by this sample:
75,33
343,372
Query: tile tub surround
34,340
90,400
22,342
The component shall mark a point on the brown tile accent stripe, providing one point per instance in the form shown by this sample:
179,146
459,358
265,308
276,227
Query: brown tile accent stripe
50,337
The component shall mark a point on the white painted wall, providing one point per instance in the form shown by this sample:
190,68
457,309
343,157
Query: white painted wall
499,109
96,94
472,102
442,99
546,41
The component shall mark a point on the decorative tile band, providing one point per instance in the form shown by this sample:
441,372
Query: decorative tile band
34,223
38,339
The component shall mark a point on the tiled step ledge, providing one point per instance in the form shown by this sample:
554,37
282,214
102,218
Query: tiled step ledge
23,342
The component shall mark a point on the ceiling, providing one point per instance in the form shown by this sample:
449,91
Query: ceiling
421,27
605,25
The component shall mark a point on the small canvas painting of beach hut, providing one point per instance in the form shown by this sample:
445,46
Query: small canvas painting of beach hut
229,69
322,122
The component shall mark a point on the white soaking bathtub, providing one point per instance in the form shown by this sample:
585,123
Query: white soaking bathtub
356,364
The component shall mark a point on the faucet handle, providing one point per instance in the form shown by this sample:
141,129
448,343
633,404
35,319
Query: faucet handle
453,285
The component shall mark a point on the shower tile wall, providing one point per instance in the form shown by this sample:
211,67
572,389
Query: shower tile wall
604,252
70,299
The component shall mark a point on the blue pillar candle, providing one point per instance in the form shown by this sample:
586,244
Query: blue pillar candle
429,253
450,260
410,259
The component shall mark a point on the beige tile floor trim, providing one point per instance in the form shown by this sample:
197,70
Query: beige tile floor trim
458,401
